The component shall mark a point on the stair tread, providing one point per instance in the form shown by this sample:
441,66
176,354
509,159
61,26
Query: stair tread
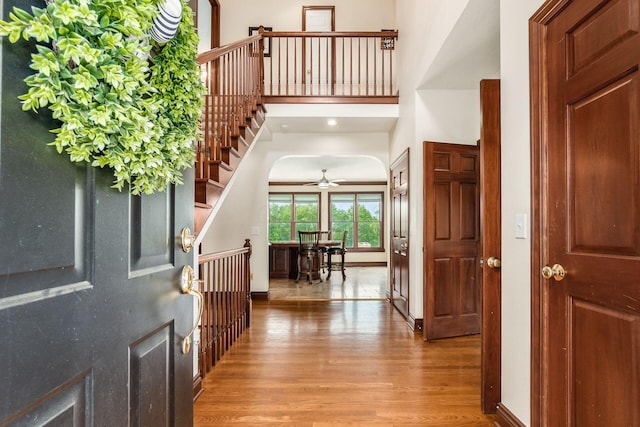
210,182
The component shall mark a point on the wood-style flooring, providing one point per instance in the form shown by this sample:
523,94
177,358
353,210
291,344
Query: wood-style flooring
361,283
341,363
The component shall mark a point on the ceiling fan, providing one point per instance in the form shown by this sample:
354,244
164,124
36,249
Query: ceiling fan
323,183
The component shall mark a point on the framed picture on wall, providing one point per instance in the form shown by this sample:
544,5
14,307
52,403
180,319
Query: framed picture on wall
267,41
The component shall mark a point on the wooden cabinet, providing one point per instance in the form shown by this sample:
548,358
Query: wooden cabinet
280,263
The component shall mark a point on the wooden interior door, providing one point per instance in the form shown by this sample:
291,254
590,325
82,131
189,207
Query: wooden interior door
318,53
91,312
400,233
452,239
586,258
491,247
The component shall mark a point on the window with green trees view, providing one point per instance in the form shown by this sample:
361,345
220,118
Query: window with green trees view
290,213
361,215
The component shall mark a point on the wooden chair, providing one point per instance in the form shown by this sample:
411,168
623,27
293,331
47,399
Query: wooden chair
339,251
323,236
309,255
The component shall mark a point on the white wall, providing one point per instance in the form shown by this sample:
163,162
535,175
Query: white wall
516,196
446,115
426,115
286,15
247,205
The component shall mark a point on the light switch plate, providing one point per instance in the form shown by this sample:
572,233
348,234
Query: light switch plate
521,228
255,230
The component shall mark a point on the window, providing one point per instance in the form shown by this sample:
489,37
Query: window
361,215
290,213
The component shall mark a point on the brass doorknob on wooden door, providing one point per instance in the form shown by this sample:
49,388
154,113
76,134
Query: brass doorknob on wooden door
494,262
557,272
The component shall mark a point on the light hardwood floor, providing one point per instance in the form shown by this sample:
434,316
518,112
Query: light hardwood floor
341,363
362,283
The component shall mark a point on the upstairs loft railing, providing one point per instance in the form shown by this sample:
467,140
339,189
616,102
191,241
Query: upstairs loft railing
330,67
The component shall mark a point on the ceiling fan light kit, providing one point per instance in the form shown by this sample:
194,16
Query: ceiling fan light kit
323,183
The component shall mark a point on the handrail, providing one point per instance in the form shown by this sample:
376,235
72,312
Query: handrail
224,254
217,52
274,34
232,76
226,291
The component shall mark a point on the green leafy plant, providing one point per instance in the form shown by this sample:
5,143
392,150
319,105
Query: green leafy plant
117,108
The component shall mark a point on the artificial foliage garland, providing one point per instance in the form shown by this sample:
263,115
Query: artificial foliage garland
117,108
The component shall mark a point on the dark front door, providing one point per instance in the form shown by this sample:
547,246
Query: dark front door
91,313
400,233
452,238
587,250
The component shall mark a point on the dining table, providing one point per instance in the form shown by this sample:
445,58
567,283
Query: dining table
283,257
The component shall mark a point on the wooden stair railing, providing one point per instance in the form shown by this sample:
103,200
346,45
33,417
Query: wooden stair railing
226,291
233,113
302,67
331,67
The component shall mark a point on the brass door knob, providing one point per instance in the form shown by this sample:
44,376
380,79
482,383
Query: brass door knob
494,262
557,272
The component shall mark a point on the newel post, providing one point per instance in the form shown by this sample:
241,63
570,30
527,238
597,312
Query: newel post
247,281
261,64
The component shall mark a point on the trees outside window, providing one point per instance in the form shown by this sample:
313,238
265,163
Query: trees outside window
360,214
292,212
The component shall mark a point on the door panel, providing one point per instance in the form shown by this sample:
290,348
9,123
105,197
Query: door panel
452,236
589,215
91,314
490,226
151,364
400,233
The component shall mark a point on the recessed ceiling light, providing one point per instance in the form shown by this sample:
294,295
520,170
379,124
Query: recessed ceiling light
284,126
332,122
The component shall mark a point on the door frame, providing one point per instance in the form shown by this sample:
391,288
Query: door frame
538,106
403,157
332,45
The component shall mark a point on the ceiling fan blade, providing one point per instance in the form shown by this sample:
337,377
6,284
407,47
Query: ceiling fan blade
311,183
333,184
338,180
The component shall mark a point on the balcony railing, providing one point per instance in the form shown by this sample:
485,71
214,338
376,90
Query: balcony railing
335,67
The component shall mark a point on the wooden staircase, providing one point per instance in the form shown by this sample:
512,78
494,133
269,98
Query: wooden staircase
220,168
232,116
235,78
